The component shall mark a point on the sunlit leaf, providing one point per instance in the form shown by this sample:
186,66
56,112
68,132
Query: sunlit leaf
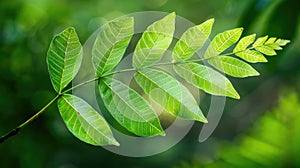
251,56
222,41
192,40
111,44
64,58
268,134
84,122
154,42
233,67
266,50
260,41
131,110
207,79
282,42
271,40
244,43
169,93
274,46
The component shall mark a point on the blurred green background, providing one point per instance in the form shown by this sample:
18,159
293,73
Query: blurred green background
256,131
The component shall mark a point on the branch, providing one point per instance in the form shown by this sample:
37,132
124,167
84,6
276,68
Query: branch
34,117
18,129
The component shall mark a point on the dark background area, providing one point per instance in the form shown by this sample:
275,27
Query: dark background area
28,26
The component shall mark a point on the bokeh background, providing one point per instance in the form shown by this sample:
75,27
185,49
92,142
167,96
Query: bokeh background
260,130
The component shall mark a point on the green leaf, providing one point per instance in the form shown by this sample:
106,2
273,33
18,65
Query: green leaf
223,41
251,56
169,93
154,42
282,42
260,41
84,122
64,58
244,43
207,79
233,67
266,50
192,40
130,109
111,44
271,40
274,46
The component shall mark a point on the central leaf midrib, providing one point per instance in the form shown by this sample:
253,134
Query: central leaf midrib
244,48
227,39
149,48
112,48
65,60
234,65
194,39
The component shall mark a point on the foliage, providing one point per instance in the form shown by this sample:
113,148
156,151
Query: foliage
27,27
130,109
272,142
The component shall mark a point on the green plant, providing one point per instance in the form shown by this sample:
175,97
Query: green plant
272,142
128,107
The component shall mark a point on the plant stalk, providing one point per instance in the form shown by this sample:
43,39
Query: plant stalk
34,117
20,127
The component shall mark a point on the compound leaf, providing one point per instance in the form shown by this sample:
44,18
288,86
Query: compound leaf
233,67
207,79
169,93
262,45
64,58
111,43
154,42
268,46
130,109
84,122
192,40
222,41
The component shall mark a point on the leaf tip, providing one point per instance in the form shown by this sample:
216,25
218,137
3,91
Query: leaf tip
69,29
163,133
235,95
128,19
201,118
212,20
115,143
171,16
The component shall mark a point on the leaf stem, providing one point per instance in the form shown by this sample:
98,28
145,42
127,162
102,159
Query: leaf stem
120,71
81,84
17,129
162,63
31,119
